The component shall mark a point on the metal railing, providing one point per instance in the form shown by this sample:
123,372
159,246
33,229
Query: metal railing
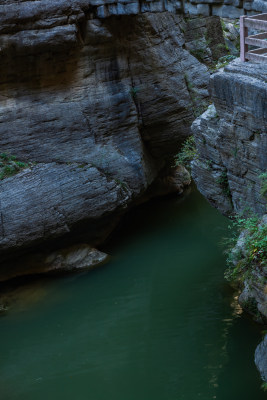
258,22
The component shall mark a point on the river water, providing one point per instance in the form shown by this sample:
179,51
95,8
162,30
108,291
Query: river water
158,322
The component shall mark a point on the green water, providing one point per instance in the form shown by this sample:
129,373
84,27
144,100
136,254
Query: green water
157,322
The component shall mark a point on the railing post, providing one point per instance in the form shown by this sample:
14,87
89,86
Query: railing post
243,35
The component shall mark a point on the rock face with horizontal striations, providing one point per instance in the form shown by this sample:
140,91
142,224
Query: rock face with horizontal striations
231,139
97,107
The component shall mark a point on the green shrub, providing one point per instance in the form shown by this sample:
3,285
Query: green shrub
199,53
242,262
223,183
209,163
133,92
187,153
263,178
9,165
223,25
224,60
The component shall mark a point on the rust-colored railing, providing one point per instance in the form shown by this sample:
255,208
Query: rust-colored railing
258,22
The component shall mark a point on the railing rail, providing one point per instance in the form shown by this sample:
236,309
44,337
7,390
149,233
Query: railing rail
258,22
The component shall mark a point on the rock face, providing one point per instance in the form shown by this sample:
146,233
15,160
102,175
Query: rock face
39,14
96,107
230,170
204,38
225,8
253,297
231,139
261,358
75,258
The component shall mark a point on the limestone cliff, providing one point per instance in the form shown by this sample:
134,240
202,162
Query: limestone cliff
98,107
231,139
230,170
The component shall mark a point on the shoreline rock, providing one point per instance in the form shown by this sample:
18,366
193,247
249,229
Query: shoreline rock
261,358
71,259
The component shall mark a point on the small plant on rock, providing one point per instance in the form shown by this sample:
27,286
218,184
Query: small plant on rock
248,251
223,61
263,178
133,92
187,153
9,165
224,184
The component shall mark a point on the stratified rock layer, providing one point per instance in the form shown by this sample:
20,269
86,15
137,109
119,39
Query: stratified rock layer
99,108
231,140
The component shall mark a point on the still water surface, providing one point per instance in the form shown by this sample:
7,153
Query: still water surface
157,322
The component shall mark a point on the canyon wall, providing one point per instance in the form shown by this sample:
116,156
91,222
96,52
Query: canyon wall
231,140
231,163
230,171
96,108
96,98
